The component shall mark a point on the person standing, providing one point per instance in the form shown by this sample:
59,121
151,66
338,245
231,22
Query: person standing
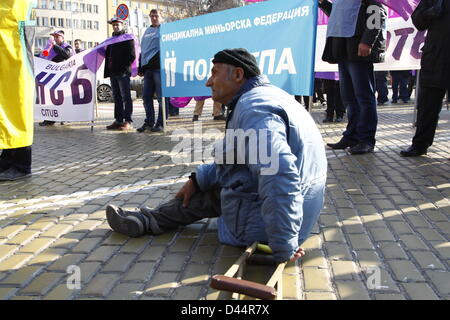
150,68
381,85
58,52
400,85
355,42
434,77
217,110
118,60
77,44
16,98
334,101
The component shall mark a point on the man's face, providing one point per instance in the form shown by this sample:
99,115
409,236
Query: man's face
223,83
77,44
117,26
58,39
154,17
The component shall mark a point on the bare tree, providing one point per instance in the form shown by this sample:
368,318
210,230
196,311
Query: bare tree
192,8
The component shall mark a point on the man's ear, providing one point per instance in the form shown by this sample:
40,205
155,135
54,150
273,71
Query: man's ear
239,74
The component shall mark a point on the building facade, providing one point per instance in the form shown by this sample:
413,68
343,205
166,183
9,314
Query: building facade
80,19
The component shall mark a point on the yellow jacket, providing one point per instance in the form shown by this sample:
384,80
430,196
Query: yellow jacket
17,86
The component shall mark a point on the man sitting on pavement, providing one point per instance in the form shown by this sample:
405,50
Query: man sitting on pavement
277,201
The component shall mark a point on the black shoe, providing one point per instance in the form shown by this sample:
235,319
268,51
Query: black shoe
327,119
341,145
131,223
194,118
361,148
413,151
339,119
144,127
46,123
13,174
220,117
394,101
156,129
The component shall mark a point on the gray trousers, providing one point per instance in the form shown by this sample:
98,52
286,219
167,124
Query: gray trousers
172,214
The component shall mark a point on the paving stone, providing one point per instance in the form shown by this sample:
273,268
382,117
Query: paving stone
10,231
427,260
316,279
126,291
405,271
203,254
103,253
162,284
344,270
60,292
119,263
140,272
24,237
314,242
187,293
6,250
195,274
392,250
15,262
337,251
352,290
173,262
413,242
320,296
100,285
136,245
314,258
420,291
401,228
333,235
22,276
37,245
6,293
152,253
442,248
360,241
367,258
389,296
441,280
87,245
43,283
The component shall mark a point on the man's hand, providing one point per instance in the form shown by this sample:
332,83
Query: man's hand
186,192
297,255
364,50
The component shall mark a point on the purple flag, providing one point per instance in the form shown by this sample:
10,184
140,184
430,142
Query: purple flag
93,60
403,7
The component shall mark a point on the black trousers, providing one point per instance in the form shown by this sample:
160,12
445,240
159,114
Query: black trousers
334,101
429,106
19,158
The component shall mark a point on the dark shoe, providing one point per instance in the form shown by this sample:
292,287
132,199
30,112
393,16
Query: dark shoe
413,151
131,223
114,126
405,101
220,117
144,127
327,119
156,129
126,126
62,123
46,123
341,145
13,174
361,148
339,119
194,118
394,101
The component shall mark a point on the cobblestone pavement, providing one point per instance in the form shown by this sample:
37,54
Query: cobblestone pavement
384,232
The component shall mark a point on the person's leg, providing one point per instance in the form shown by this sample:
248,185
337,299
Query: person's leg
118,102
157,80
338,105
147,96
349,99
329,91
428,108
198,108
395,86
363,81
403,87
125,91
22,159
217,109
312,205
6,159
15,164
167,216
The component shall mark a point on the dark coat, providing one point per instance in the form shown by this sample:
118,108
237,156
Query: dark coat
346,49
119,57
62,53
435,63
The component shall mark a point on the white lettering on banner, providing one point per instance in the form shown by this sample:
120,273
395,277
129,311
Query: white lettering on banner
281,16
170,65
200,70
203,65
181,35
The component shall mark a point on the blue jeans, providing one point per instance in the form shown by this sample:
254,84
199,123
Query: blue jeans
357,82
123,105
152,86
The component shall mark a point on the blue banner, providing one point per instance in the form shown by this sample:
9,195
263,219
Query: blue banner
281,35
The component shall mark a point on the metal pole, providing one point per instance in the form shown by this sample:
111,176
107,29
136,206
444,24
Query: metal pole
310,104
163,103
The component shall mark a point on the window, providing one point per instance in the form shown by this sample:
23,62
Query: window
53,22
43,4
115,2
82,7
60,5
90,44
76,23
68,6
83,24
51,4
68,23
96,25
60,22
75,6
95,8
89,25
45,22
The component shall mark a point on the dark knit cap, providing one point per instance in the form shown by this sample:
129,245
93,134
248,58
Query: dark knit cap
239,58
